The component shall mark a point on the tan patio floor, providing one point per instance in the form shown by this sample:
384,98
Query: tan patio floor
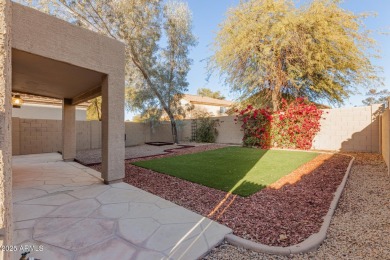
66,209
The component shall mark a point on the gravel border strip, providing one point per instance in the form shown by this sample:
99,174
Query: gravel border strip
310,244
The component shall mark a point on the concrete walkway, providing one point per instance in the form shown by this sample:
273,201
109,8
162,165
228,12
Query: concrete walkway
63,211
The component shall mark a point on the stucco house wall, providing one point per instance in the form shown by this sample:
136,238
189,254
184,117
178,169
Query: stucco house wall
6,224
213,110
215,107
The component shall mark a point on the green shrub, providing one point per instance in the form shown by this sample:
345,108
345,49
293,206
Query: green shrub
206,131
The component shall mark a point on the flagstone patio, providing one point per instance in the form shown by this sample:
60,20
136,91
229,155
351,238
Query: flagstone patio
66,209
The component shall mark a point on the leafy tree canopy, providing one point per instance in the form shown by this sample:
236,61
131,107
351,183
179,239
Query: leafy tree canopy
94,110
270,48
206,92
376,97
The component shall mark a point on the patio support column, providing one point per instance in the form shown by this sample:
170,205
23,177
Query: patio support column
68,130
113,128
6,226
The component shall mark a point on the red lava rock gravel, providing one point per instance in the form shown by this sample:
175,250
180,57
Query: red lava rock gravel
280,216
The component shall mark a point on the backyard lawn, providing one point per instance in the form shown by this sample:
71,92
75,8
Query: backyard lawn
242,171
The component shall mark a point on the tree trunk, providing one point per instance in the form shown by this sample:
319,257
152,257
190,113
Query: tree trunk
275,98
175,138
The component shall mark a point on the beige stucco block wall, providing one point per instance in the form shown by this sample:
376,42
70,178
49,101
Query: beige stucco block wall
185,132
83,135
386,137
96,134
229,131
136,133
349,129
31,136
38,136
160,132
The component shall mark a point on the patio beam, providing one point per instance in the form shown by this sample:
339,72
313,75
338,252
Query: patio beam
68,130
90,94
113,128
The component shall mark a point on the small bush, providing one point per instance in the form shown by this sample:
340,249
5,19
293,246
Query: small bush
206,131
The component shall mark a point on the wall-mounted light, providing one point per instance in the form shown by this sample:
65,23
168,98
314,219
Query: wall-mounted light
17,101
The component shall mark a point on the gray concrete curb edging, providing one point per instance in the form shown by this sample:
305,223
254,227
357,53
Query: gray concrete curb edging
312,243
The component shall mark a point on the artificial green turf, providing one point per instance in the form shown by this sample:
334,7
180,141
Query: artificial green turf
242,171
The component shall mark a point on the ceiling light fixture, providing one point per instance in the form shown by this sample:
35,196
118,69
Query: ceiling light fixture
17,101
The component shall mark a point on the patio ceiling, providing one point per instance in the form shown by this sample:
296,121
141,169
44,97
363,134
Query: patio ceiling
37,75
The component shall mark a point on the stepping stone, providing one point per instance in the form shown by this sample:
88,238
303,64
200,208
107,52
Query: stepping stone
24,224
111,211
114,195
22,235
49,187
189,249
26,184
90,192
112,249
137,231
26,194
213,232
44,226
122,185
168,236
81,208
141,210
47,252
29,212
50,200
176,215
149,255
162,203
81,234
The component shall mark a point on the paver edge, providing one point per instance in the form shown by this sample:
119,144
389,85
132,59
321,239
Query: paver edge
312,243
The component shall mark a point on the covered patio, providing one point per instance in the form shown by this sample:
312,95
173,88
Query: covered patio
59,209
42,55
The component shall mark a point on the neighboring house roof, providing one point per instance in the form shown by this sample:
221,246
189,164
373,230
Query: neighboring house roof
39,100
206,100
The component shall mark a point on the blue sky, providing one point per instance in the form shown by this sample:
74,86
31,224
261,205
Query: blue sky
208,14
